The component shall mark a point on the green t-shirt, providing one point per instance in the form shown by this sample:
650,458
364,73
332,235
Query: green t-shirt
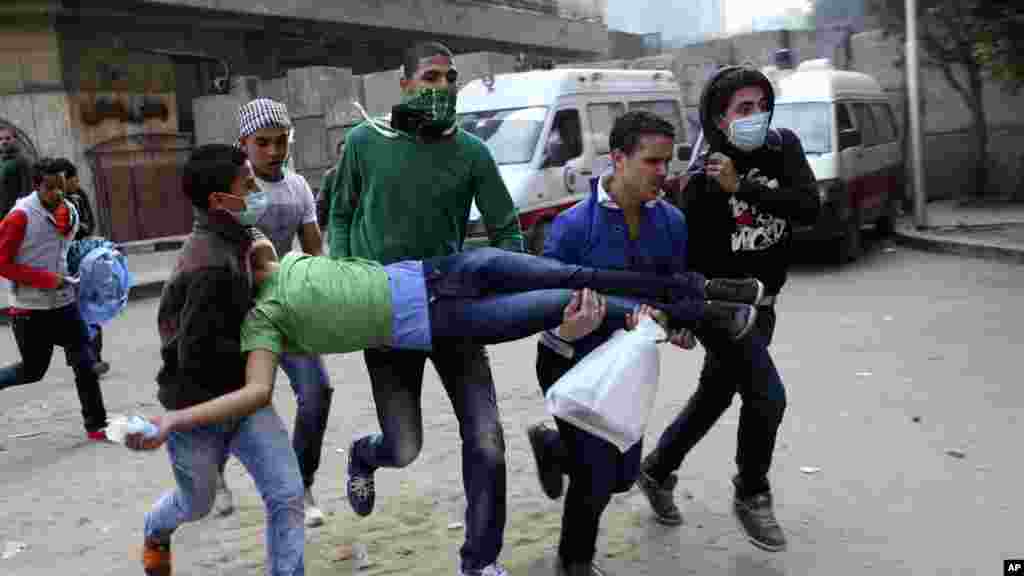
316,305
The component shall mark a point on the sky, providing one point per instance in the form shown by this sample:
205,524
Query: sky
623,14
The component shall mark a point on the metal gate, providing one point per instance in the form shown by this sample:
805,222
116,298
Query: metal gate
138,186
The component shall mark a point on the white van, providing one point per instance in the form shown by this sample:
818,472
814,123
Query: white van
846,124
548,131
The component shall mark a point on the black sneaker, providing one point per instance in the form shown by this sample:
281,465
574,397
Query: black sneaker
660,497
549,473
359,487
101,368
742,290
757,518
732,320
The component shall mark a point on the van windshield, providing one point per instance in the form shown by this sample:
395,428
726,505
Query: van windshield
510,134
810,120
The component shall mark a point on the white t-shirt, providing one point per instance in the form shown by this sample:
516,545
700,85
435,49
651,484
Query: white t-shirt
291,206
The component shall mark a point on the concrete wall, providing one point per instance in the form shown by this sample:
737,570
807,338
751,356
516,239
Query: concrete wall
46,119
946,121
29,59
438,17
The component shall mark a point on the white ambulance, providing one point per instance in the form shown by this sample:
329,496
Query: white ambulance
548,131
850,135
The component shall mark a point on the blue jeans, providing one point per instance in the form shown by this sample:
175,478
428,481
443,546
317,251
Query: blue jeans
397,380
260,442
309,380
489,296
743,367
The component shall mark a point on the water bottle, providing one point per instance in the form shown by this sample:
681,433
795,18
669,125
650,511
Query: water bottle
119,428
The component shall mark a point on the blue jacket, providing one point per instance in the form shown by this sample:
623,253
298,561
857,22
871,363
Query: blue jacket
594,234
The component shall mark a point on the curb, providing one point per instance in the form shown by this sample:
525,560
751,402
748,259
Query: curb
929,243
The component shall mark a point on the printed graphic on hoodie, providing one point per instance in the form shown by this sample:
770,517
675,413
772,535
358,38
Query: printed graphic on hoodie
755,230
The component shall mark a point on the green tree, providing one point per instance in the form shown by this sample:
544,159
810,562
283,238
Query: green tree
968,41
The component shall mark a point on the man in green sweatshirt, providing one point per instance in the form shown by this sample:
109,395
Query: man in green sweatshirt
403,191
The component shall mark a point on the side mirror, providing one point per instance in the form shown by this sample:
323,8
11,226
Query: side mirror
849,138
683,152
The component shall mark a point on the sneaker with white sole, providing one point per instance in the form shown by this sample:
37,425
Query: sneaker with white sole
489,570
314,515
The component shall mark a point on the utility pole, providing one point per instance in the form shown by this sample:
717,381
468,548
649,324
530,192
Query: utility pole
914,96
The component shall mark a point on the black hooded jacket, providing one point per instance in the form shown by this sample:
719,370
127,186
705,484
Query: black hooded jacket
749,233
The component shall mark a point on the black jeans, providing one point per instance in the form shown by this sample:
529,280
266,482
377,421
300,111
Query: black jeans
36,333
397,380
595,467
743,367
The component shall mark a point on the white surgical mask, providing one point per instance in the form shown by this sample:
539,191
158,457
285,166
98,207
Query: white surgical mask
748,134
255,206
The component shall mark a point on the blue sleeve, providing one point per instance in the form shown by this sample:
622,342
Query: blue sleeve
563,239
680,237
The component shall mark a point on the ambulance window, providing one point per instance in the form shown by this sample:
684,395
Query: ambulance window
567,135
849,136
667,109
602,117
866,121
884,122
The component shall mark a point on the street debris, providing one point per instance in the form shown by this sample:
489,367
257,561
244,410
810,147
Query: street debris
810,469
12,549
956,453
864,374
27,434
916,419
455,525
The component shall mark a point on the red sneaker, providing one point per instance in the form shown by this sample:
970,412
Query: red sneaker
156,558
98,435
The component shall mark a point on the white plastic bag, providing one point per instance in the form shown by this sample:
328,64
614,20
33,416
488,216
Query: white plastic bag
611,391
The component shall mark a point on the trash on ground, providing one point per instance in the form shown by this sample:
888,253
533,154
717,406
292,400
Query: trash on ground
455,525
956,453
810,469
864,374
28,434
916,419
12,549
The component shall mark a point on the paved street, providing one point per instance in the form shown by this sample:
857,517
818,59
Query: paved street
889,363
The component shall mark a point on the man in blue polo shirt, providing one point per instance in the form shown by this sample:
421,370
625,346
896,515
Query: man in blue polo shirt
624,224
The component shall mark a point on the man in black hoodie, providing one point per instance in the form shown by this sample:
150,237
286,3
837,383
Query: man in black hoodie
743,196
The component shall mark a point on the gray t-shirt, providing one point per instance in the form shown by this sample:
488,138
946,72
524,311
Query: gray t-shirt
291,205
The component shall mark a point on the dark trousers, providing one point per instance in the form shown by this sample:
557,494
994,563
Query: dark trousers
36,333
396,377
746,368
595,467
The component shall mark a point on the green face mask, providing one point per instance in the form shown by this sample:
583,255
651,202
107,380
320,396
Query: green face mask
434,106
